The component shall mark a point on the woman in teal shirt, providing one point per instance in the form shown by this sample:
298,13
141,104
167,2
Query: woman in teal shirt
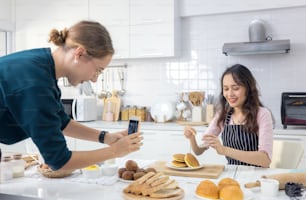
30,105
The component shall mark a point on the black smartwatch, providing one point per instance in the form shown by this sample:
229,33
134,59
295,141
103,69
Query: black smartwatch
102,136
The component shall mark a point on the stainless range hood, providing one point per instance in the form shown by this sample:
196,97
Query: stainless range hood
258,44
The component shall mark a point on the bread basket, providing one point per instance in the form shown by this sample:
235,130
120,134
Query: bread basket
49,173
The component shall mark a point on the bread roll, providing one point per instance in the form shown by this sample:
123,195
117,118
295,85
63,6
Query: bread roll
227,182
231,192
207,189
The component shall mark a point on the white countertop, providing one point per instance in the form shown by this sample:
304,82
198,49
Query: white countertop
110,188
175,127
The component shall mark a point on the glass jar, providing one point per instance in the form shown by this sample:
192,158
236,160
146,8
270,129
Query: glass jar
6,169
132,112
125,113
18,165
148,116
141,113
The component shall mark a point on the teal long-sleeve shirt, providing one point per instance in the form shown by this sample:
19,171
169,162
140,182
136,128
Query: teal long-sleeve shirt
30,104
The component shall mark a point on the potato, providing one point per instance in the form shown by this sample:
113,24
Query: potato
120,172
131,165
128,175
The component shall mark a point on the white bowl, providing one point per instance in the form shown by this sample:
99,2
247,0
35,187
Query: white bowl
109,169
93,171
162,112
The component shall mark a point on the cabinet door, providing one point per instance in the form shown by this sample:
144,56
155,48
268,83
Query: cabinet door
152,40
152,30
114,15
6,16
151,12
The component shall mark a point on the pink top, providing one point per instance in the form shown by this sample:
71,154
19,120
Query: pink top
265,130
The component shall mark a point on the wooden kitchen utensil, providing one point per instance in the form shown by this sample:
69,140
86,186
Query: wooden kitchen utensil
282,178
115,102
208,171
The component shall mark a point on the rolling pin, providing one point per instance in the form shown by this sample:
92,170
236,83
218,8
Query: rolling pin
282,179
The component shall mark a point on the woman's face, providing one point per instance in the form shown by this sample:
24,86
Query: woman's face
234,94
87,68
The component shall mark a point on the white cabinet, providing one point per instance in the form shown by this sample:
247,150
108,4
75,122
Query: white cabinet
153,28
6,15
139,28
114,15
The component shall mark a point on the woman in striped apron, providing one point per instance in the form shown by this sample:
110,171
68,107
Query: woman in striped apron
245,126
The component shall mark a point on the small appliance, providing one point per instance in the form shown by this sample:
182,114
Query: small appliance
84,108
293,108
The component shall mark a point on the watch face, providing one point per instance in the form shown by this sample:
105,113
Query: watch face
133,126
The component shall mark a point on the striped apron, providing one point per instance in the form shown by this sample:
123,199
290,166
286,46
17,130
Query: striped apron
236,137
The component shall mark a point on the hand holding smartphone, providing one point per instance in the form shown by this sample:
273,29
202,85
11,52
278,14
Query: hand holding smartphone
133,125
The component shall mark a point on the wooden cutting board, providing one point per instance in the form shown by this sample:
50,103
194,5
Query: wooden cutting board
208,171
112,104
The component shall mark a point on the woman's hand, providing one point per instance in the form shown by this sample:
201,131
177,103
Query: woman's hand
189,132
214,142
127,144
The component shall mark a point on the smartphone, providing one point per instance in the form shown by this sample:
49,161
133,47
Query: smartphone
133,126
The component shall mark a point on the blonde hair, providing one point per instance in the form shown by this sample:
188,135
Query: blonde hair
88,34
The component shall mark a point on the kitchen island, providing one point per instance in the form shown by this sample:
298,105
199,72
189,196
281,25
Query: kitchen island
110,188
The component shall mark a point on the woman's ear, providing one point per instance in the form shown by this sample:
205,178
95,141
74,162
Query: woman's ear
78,52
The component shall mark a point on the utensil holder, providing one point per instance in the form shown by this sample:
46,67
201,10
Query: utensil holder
196,114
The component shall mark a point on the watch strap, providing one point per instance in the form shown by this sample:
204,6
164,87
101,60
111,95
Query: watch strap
102,136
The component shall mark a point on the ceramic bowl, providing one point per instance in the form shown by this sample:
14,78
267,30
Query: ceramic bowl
162,112
92,171
109,169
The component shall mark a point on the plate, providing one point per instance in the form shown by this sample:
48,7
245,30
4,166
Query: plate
129,196
169,165
126,181
248,195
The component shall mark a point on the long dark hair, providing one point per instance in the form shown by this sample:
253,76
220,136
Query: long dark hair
242,76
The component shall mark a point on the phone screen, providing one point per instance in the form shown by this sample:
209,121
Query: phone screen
133,126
